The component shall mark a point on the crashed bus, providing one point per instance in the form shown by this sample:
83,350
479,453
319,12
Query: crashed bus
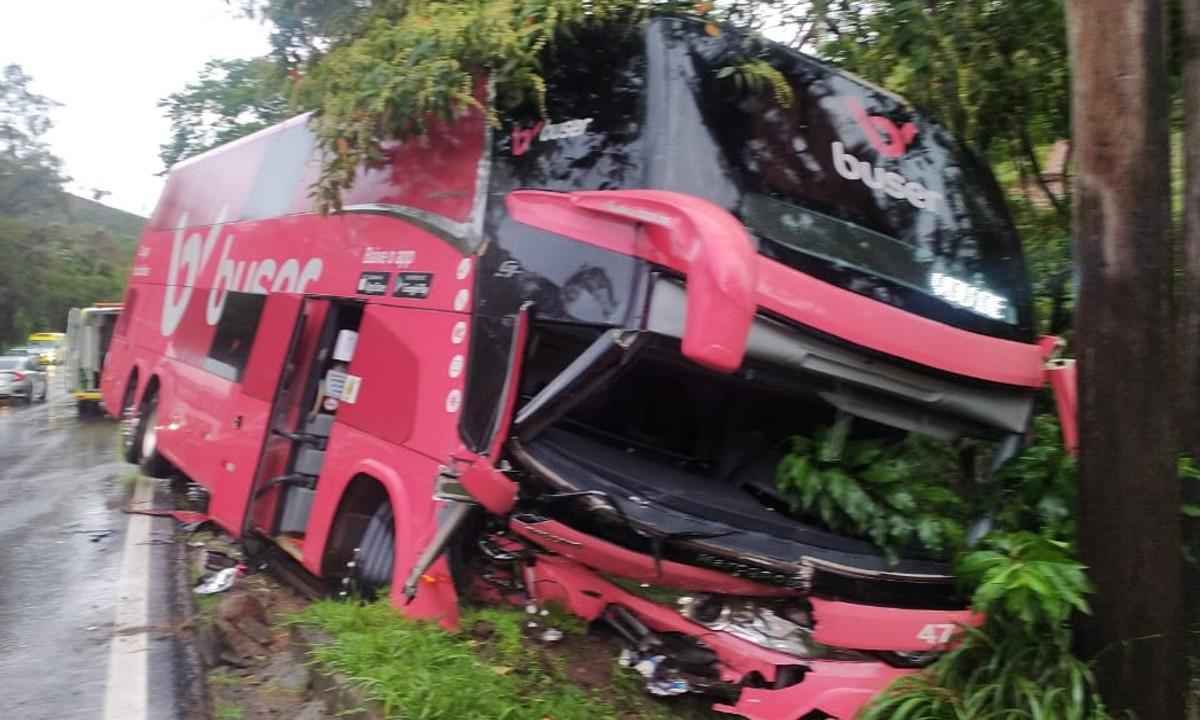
558,360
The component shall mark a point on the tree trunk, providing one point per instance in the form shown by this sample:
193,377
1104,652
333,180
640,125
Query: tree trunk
1129,496
1189,301
1189,297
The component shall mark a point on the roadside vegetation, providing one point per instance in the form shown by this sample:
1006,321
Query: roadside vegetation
57,251
495,668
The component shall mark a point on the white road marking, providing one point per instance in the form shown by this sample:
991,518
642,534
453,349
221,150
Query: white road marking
127,691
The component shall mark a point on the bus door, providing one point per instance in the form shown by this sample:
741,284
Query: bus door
303,413
254,340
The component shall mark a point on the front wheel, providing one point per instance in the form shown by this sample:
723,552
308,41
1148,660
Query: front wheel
153,463
375,555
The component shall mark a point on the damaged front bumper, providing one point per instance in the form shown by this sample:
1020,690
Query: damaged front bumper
848,651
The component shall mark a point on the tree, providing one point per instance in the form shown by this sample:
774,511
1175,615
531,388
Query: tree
1129,497
30,175
230,99
1189,297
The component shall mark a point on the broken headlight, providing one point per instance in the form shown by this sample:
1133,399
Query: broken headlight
781,625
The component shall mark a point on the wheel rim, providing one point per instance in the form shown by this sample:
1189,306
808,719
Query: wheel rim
150,434
129,424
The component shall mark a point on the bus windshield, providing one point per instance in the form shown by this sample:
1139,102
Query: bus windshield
846,182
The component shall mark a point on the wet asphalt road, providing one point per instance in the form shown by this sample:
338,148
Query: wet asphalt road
61,533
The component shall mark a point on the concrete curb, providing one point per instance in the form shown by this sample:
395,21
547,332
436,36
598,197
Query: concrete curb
333,689
192,684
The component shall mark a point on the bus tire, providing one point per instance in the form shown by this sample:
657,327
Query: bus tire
153,463
374,558
130,440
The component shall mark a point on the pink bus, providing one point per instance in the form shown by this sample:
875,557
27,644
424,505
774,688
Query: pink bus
559,360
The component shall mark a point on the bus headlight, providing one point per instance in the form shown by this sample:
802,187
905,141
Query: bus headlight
781,625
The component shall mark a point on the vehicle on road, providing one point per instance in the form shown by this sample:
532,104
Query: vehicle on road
50,346
22,377
559,360
89,333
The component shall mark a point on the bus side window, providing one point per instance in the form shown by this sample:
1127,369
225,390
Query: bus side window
235,335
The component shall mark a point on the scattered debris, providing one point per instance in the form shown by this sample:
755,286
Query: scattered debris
551,635
217,560
217,582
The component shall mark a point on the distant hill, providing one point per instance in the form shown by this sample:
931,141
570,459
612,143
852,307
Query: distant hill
75,210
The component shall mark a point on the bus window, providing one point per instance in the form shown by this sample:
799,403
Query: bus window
235,335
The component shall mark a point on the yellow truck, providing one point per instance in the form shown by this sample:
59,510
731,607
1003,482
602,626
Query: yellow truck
89,332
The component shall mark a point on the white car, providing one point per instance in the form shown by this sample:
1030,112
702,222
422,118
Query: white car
21,376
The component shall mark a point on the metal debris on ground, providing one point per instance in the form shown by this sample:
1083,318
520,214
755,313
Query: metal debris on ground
660,680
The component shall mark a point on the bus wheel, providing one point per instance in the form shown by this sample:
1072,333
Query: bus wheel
130,427
153,463
375,555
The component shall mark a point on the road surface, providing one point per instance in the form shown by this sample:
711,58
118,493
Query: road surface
62,543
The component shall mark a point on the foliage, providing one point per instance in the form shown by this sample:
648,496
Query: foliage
382,70
1019,663
56,251
1026,576
992,71
895,495
30,175
230,99
1036,490
399,77
901,493
418,670
998,671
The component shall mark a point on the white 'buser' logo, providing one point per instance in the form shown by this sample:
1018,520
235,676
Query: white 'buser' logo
892,183
190,257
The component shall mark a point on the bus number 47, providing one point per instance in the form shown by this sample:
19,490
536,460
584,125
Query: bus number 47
936,633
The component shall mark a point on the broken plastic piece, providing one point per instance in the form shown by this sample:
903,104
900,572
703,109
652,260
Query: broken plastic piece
668,687
220,582
551,635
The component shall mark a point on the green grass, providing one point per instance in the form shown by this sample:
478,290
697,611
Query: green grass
227,712
415,670
223,677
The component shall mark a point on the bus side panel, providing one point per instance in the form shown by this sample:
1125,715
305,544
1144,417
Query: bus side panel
410,366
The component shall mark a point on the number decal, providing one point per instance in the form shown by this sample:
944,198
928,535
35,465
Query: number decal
936,633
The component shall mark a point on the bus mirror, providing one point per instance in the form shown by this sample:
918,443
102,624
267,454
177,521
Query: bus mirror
682,232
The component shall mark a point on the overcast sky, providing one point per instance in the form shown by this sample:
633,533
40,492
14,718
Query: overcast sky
108,62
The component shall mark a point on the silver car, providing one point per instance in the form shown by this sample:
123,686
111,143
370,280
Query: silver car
22,377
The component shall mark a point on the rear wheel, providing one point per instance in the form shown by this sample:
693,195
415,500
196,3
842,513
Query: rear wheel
130,425
153,463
